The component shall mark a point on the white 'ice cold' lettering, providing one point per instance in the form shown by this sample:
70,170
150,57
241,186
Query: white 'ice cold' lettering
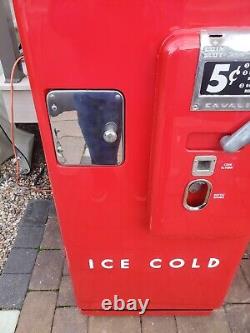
155,263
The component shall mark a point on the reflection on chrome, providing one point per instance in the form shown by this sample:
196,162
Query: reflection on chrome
87,126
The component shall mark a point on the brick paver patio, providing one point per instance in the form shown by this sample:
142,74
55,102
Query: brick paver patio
36,293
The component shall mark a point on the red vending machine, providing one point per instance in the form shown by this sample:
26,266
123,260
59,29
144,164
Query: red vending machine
144,112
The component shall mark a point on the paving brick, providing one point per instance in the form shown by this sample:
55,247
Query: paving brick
159,325
66,294
47,271
69,320
8,320
245,267
114,324
36,212
37,312
13,288
20,261
65,267
238,317
29,236
239,291
214,323
52,237
52,209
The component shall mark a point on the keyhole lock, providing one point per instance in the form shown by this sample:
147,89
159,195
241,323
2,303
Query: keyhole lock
197,194
110,132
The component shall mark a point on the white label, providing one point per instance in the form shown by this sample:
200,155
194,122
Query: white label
219,195
227,166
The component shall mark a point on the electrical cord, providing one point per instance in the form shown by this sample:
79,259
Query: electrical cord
12,128
12,131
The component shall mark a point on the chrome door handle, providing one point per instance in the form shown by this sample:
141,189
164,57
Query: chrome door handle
236,141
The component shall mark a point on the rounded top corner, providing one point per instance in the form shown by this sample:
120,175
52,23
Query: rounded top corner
180,40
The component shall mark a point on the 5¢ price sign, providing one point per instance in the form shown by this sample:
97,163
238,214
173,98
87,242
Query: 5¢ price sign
226,78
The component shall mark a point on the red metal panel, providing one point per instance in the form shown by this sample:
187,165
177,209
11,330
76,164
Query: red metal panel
172,160
104,211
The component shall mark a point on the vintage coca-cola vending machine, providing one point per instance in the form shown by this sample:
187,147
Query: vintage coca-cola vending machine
144,113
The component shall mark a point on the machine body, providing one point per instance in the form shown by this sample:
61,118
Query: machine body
141,106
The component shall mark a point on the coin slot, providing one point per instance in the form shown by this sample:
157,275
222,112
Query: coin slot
215,36
204,165
197,194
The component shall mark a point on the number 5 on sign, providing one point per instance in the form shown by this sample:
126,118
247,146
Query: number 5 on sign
220,78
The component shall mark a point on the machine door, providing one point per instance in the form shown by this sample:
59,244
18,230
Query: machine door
199,183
